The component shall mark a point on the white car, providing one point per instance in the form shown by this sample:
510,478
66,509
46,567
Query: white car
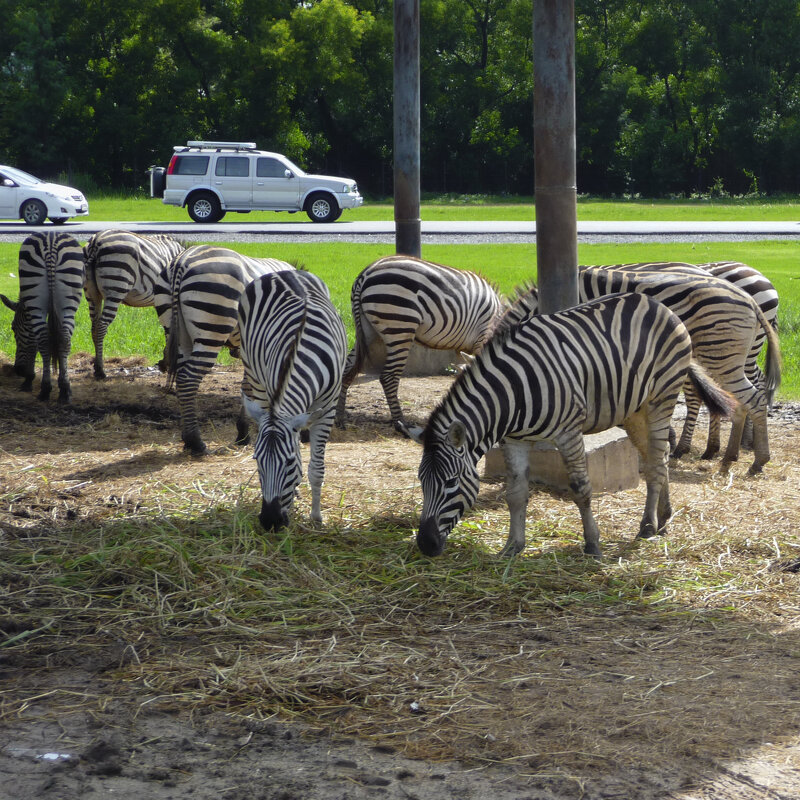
27,197
212,178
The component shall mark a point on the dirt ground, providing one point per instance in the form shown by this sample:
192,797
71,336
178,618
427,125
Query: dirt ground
120,435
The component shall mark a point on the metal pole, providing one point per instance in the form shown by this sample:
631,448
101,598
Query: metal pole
406,128
554,153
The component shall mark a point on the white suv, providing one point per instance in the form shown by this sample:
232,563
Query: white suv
211,178
25,196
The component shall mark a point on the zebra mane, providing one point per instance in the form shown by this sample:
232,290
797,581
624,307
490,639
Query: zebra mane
287,365
523,302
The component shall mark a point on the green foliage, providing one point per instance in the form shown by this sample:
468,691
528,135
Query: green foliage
671,97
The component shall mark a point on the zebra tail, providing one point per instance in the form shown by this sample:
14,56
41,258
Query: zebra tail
53,320
719,402
174,337
773,361
355,360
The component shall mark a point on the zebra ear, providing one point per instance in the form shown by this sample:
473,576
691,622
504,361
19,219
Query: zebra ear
8,302
301,421
457,434
253,409
414,433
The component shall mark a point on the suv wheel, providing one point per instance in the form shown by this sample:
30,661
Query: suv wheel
34,212
321,207
204,207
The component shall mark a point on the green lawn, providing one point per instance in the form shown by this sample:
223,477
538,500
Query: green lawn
136,331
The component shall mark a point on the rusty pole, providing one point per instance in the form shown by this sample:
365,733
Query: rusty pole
554,153
406,128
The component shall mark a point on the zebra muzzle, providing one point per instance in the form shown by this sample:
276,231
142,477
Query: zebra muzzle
272,516
429,540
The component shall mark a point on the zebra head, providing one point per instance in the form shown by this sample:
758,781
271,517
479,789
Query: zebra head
23,334
280,469
449,484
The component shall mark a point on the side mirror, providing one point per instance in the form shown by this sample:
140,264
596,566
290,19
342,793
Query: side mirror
8,182
288,173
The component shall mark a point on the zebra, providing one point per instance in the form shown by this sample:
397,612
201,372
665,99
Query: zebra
730,337
401,299
50,289
206,283
294,348
122,268
618,360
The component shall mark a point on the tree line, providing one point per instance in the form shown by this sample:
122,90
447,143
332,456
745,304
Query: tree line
672,97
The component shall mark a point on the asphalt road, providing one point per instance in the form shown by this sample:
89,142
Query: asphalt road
432,232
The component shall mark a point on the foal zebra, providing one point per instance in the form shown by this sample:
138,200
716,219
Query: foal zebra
50,289
122,268
726,327
402,299
620,360
206,284
294,347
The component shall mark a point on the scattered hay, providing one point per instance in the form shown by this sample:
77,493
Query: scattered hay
121,553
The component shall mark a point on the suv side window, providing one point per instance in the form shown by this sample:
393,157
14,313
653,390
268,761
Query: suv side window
270,168
232,166
191,165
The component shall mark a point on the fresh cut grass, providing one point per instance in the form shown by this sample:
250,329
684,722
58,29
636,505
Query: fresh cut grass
136,331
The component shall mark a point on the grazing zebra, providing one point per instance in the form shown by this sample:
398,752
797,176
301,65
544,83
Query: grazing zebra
50,288
401,299
122,268
619,360
294,347
720,319
206,283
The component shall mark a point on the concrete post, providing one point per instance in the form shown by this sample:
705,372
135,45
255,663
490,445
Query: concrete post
554,153
408,236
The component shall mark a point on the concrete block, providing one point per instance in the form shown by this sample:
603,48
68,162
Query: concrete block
422,360
612,460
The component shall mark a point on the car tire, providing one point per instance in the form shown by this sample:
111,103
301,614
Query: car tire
34,212
204,207
58,220
321,207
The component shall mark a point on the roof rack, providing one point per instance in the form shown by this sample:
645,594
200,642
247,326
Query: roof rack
223,145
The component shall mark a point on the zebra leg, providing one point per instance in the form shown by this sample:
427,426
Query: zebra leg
516,456
25,365
190,373
693,405
570,445
318,439
713,446
243,420
99,331
397,352
648,429
348,377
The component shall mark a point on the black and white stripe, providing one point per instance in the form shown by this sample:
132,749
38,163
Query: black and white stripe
727,328
206,284
294,347
400,300
620,360
122,268
50,290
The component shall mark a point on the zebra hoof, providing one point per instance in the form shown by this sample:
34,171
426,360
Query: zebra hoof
99,374
196,447
592,550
